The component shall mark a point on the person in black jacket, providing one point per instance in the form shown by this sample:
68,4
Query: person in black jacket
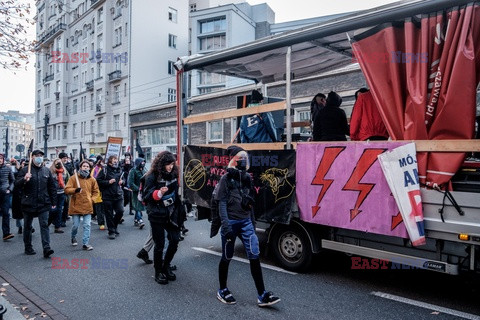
111,181
39,196
330,122
235,207
6,188
165,212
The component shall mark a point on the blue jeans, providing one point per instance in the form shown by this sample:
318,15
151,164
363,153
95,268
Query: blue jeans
44,231
138,215
246,232
5,199
56,214
87,219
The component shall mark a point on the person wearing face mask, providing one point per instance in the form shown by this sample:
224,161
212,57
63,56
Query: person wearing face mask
235,207
39,196
165,212
111,181
134,183
84,189
61,176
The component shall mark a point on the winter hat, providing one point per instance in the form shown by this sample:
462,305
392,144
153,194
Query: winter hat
333,99
138,161
99,158
37,152
2,156
256,96
62,155
236,151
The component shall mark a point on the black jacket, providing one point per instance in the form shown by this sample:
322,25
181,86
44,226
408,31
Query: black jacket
156,209
6,179
39,193
114,191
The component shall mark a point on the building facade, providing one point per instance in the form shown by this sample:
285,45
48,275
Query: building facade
17,131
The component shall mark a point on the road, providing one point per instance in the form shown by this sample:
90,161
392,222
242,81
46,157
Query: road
123,287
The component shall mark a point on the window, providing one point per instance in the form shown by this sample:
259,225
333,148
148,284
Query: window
206,78
74,106
67,111
100,15
124,89
99,70
302,114
172,95
57,111
125,120
100,42
213,25
83,124
118,9
74,131
171,68
92,126
91,101
116,94
209,89
100,125
215,131
172,15
116,122
47,91
212,43
172,41
118,36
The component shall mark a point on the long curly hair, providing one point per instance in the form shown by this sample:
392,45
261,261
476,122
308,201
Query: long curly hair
159,163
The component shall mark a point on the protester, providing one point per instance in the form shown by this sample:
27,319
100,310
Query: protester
126,165
165,212
61,176
257,127
134,184
68,165
366,122
7,181
237,217
98,209
39,196
330,122
318,103
84,189
17,213
111,181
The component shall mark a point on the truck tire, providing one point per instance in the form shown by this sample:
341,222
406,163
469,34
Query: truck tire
292,248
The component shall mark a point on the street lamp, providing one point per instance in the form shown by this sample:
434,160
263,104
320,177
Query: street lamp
45,135
7,143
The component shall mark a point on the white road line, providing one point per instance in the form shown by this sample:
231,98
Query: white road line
267,266
426,305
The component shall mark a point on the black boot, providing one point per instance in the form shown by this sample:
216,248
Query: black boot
143,254
168,272
160,277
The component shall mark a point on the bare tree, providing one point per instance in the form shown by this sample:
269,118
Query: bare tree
15,46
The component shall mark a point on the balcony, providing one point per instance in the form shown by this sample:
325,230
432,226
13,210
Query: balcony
50,35
89,85
48,77
89,138
115,75
99,109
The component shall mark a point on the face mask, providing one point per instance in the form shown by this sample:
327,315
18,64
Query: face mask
242,164
115,165
58,166
84,173
38,160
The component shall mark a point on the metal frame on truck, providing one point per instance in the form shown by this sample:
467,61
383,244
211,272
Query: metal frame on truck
453,244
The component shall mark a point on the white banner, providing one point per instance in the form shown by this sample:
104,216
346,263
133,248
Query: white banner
401,172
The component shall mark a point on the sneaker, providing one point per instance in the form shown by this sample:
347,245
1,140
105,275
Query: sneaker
116,232
74,242
226,296
8,236
102,227
143,254
111,236
184,231
267,299
141,224
47,253
58,230
30,252
87,247
135,223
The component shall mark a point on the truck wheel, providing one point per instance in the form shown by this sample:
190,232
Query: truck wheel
292,248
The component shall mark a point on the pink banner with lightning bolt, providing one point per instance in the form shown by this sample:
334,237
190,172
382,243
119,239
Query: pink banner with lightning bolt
342,185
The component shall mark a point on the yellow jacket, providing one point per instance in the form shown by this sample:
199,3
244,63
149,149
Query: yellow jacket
82,203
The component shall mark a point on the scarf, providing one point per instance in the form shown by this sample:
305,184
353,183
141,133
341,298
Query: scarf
61,182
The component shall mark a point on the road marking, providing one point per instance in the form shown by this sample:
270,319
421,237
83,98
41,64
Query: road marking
425,305
267,266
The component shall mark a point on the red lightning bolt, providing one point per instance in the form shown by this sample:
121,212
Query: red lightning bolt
396,220
329,156
367,159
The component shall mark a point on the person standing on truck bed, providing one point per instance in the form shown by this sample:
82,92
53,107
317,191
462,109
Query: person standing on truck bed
237,218
256,128
330,122
366,122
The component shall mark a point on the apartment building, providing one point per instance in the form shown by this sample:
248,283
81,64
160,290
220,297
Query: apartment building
16,132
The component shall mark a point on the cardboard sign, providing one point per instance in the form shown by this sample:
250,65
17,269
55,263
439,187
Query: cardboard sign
114,147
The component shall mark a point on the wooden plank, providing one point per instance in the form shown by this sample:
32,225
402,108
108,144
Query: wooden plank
223,114
300,124
251,146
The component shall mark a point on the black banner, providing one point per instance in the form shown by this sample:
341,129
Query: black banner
273,173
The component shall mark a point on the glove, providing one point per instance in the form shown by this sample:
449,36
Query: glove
78,190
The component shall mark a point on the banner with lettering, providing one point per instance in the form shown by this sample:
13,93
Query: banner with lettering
273,173
401,171
342,185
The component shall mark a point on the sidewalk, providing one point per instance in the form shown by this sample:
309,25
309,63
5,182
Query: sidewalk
21,303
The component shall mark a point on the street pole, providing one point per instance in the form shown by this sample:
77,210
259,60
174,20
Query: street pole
46,136
7,143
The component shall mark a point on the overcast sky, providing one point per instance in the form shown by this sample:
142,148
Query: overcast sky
17,91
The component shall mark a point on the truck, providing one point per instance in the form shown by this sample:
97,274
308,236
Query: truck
421,62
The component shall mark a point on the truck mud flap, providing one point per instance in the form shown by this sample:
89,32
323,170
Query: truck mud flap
393,257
